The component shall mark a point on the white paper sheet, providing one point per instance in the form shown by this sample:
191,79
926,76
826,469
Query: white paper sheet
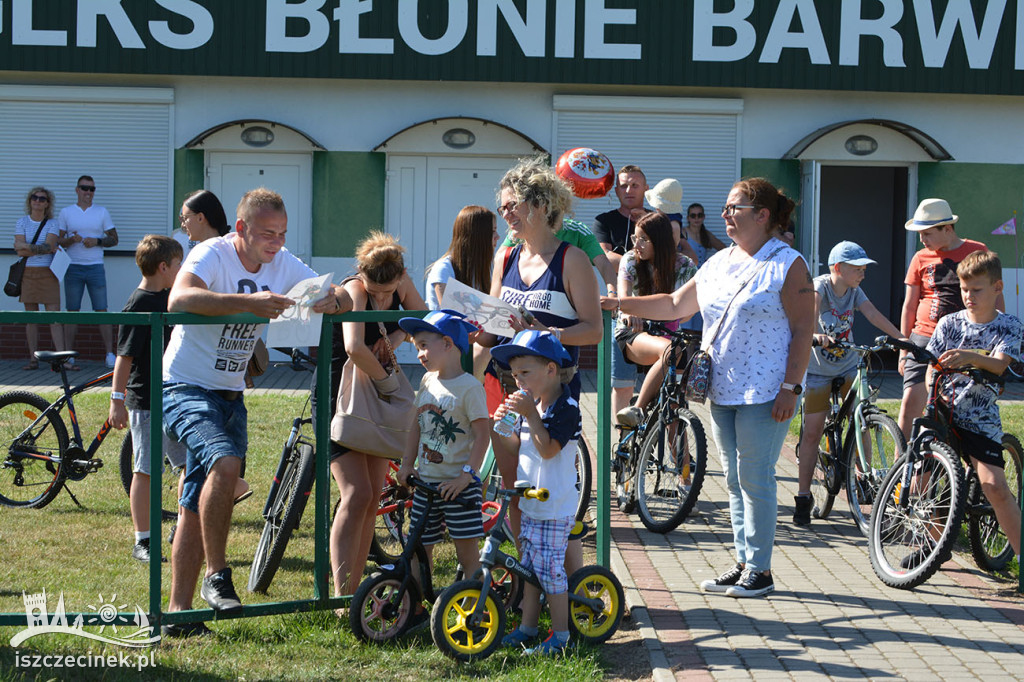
484,310
59,264
299,325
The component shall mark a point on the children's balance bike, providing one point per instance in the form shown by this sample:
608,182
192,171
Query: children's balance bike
468,619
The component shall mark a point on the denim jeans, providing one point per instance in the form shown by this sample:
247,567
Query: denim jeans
77,278
211,427
750,441
623,373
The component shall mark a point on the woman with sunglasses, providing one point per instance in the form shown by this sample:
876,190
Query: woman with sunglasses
704,244
39,285
758,303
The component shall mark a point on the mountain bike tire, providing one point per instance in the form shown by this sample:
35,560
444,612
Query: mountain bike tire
24,481
886,444
825,480
584,478
990,547
907,544
668,483
283,517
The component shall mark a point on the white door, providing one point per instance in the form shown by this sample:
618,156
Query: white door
231,175
425,193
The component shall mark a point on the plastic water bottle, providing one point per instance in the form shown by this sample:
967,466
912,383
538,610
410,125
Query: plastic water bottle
505,426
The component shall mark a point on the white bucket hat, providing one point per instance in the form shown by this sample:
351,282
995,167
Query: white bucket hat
931,213
666,196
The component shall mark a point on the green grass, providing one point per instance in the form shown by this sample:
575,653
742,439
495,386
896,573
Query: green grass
1012,415
85,552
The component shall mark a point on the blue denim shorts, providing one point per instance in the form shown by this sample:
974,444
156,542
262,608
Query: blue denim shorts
623,373
78,278
210,426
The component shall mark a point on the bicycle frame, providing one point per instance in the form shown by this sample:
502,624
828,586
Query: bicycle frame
55,408
294,436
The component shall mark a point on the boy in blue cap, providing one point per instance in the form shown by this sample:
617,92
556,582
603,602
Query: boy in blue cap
449,438
545,438
837,298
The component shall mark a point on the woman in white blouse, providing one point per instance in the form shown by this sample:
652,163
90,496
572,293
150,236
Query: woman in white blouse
757,300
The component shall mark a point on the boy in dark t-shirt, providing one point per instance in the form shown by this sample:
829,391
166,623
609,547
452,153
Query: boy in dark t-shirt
159,259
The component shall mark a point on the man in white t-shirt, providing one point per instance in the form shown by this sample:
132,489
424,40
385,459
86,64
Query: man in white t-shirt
204,375
85,230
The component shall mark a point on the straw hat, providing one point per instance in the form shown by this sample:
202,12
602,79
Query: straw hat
666,196
931,213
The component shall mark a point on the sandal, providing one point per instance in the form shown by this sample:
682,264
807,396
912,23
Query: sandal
32,364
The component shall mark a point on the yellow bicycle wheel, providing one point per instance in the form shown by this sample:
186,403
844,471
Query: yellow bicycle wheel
596,583
451,624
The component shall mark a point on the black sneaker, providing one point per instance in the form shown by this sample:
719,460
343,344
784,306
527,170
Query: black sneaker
724,581
802,512
140,551
219,592
752,584
183,630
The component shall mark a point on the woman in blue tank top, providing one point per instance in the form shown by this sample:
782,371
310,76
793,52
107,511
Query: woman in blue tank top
550,279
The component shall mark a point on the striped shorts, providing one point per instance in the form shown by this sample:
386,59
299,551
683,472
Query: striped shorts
461,516
543,545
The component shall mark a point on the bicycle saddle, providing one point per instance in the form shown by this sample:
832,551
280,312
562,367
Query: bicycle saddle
55,358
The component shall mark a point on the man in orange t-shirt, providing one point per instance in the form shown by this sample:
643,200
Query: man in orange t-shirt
933,291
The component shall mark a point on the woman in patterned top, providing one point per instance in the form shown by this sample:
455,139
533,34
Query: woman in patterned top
652,266
758,304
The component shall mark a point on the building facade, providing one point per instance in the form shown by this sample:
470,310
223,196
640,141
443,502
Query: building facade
396,113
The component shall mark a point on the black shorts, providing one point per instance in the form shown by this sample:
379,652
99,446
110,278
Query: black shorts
981,448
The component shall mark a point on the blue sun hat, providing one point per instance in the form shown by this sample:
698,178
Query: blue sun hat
532,342
444,322
850,253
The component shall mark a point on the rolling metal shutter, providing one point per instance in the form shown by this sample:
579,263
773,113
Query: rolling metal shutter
696,141
122,137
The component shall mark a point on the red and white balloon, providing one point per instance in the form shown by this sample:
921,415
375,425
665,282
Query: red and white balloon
587,171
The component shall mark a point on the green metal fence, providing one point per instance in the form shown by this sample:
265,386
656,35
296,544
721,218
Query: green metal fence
321,570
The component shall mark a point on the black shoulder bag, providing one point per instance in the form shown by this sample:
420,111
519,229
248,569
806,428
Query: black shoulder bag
17,272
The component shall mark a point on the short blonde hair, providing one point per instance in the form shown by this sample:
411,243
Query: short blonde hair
533,181
49,204
379,257
258,200
978,263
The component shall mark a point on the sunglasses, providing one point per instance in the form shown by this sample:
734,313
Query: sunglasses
87,188
696,215
40,197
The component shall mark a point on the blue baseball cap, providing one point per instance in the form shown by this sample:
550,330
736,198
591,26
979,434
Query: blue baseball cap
444,322
849,253
532,342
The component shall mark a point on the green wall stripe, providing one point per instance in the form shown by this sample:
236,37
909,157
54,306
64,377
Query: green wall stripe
348,200
189,175
984,195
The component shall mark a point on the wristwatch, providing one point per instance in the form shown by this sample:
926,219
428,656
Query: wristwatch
796,388
468,469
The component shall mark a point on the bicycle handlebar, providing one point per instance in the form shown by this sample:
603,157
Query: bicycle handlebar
856,348
685,334
540,494
924,355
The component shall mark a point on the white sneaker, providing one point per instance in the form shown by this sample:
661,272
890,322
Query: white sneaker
111,359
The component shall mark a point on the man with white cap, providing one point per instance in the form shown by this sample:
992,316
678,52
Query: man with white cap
933,291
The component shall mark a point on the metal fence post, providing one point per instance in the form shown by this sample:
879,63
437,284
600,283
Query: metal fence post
323,580
604,454
156,458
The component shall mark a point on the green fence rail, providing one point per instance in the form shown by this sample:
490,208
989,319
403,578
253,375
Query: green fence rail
321,570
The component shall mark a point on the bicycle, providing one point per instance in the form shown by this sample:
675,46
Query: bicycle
660,463
39,458
384,604
290,490
467,621
860,460
926,496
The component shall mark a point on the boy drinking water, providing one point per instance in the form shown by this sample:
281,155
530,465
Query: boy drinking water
837,298
545,438
980,336
159,259
449,438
